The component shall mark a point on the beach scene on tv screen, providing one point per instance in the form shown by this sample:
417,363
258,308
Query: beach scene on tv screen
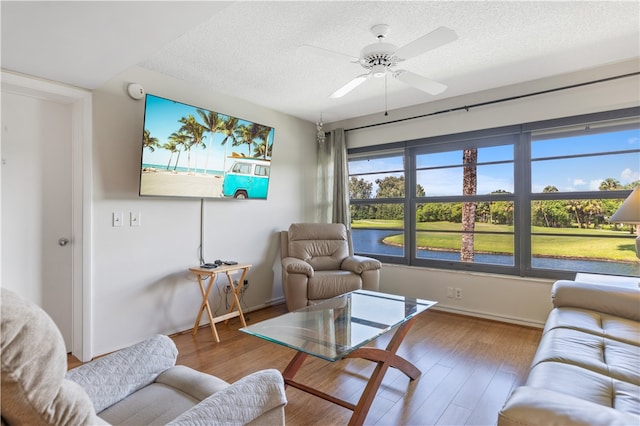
194,152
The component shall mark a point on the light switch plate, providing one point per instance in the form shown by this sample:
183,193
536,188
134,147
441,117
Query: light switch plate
134,218
116,219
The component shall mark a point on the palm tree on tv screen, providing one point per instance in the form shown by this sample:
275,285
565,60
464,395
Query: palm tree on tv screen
148,141
246,134
228,127
212,123
263,149
179,139
195,131
172,147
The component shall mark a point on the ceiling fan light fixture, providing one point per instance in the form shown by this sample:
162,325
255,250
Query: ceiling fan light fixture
378,71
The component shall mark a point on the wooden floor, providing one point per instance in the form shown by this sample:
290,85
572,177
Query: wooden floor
469,366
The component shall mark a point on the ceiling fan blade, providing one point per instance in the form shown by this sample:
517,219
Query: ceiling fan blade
436,38
327,53
349,86
420,82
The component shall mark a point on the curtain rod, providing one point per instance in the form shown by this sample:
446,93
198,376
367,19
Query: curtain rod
496,101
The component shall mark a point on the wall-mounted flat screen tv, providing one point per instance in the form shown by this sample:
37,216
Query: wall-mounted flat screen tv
194,152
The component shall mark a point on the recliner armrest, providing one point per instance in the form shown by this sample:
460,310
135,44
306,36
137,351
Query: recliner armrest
359,264
115,376
297,266
240,403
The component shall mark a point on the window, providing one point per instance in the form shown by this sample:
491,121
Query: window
528,200
377,191
262,170
464,202
579,178
242,168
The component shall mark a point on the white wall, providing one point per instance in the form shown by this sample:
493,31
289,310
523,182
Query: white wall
514,299
499,297
141,285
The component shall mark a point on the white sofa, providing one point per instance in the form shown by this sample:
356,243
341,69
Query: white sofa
586,370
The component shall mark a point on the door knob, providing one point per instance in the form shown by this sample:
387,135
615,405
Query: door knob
63,241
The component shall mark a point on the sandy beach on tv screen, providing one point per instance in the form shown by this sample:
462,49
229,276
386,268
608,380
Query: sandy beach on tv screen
180,184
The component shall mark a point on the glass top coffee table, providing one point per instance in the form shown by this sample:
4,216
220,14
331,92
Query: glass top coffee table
340,328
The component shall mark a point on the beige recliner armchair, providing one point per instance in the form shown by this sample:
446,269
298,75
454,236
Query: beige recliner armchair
318,263
139,385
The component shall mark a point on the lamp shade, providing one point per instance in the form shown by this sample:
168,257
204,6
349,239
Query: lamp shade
629,211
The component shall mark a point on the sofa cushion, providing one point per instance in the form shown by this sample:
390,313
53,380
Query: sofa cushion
156,404
34,363
586,385
612,327
608,357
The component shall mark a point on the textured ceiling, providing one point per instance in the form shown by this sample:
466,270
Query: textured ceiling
250,50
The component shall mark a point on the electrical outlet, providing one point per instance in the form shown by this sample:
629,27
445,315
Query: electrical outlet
458,293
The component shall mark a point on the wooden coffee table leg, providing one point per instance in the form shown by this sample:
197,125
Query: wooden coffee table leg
293,367
385,358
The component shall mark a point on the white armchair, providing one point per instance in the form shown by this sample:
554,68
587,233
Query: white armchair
137,385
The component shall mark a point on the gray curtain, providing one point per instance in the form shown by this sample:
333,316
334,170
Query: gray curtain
333,180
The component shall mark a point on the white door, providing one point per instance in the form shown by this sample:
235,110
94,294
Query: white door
36,204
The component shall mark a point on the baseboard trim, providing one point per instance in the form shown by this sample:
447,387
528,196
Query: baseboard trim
267,304
493,317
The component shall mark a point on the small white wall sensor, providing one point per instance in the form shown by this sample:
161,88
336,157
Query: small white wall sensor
135,91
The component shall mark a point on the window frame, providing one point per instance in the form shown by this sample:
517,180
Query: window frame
520,136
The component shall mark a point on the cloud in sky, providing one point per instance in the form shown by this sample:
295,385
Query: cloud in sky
594,185
628,176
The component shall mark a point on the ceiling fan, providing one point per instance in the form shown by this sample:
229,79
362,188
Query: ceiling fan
379,59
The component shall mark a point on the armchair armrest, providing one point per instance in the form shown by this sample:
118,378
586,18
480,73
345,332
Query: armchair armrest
360,264
297,266
111,378
618,301
240,403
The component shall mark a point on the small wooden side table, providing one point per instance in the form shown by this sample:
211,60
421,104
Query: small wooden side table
235,292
